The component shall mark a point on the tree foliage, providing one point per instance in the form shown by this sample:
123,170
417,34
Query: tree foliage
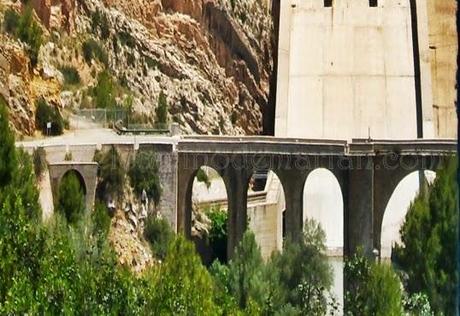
161,111
71,198
7,148
429,241
25,28
291,271
144,175
159,234
218,233
46,114
373,289
104,91
111,174
184,286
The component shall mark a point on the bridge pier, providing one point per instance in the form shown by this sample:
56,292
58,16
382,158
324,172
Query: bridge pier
293,181
358,226
237,182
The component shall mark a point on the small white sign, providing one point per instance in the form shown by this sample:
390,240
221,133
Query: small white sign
48,125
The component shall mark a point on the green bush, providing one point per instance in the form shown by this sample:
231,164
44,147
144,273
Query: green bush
30,32
144,175
159,234
184,286
11,21
26,29
71,198
291,277
111,174
104,92
99,21
71,75
93,50
202,176
126,39
373,289
161,111
7,149
44,114
40,164
218,234
100,219
429,240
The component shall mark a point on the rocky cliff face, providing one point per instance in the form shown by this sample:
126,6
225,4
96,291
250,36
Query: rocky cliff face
212,58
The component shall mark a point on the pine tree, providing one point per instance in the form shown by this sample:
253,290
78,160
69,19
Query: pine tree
71,200
7,148
429,240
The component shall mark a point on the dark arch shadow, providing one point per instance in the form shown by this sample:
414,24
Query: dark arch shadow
79,176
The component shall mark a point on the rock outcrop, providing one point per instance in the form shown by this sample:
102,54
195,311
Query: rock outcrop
211,58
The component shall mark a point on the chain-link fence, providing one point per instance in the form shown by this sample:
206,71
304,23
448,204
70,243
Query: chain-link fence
105,117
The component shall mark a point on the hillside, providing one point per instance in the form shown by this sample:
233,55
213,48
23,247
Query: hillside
211,58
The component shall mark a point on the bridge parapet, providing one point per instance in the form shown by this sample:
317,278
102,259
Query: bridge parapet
419,147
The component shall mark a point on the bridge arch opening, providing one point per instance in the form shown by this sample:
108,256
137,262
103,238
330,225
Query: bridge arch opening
265,208
323,202
209,217
397,207
79,177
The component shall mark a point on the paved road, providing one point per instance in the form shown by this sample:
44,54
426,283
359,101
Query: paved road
89,133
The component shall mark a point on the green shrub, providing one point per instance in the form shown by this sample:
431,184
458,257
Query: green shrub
111,174
44,114
93,50
159,234
218,233
40,164
26,29
429,236
11,21
151,63
71,198
126,39
30,32
7,149
202,176
184,286
100,219
71,75
290,272
373,289
68,156
144,175
104,91
161,111
99,21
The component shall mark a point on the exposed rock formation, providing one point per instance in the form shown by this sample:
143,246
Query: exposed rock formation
212,58
214,74
443,47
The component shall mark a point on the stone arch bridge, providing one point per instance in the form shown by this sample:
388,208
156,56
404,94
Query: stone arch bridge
367,171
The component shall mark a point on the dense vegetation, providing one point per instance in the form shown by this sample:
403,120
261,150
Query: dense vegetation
111,174
46,114
25,29
71,198
144,175
429,241
71,75
66,265
161,111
